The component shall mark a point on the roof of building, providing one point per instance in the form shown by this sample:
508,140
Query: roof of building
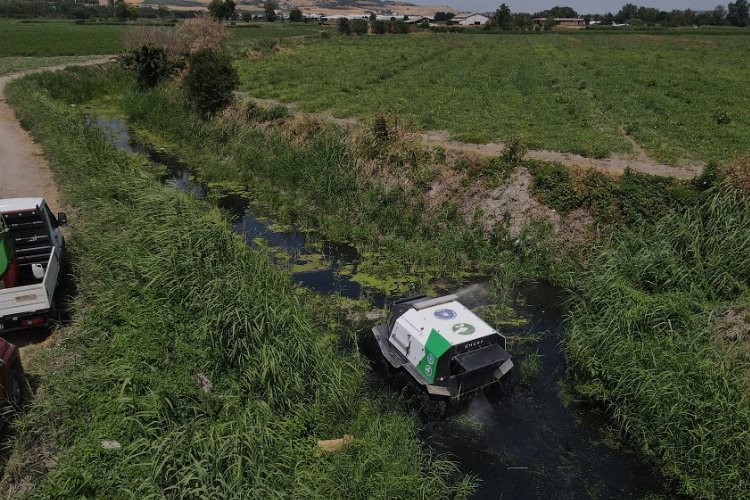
466,16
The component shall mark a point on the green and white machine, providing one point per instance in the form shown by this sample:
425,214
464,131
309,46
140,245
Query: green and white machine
446,348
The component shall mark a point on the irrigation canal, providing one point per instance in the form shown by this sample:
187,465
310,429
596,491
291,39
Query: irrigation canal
525,441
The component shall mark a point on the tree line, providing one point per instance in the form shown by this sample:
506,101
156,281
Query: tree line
734,14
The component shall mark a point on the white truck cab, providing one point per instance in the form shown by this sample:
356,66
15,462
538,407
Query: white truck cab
39,250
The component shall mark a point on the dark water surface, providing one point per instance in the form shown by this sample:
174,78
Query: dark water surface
523,441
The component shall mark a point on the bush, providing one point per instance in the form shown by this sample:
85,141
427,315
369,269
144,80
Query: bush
377,27
295,16
359,27
514,150
343,26
397,27
210,81
150,63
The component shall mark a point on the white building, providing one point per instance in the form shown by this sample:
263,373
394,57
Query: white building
470,20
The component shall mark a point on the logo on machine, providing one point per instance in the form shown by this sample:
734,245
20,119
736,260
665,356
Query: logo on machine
445,314
431,359
464,328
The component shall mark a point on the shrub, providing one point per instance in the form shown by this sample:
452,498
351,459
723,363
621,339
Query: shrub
359,27
295,16
377,27
150,64
202,34
397,27
514,150
553,186
210,81
343,26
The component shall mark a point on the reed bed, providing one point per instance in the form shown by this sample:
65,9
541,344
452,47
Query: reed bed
643,340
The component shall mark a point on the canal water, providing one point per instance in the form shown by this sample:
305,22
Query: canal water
525,440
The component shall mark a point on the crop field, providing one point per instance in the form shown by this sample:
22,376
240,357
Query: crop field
58,38
680,96
64,38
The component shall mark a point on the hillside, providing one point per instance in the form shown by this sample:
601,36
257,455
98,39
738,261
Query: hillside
325,7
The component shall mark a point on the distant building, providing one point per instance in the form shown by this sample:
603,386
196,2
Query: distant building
470,20
568,22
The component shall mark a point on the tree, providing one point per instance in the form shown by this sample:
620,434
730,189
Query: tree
151,65
343,26
719,16
123,11
247,17
221,9
549,23
270,7
373,17
738,13
359,26
443,17
295,16
502,17
628,12
377,27
210,81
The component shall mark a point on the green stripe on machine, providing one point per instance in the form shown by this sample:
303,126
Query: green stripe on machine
434,348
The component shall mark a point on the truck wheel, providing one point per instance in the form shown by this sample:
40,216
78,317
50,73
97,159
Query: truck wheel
15,387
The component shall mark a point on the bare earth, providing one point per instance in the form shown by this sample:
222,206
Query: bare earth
23,169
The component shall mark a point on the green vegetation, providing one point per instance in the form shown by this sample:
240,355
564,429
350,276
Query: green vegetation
168,297
58,38
63,38
644,341
13,64
681,96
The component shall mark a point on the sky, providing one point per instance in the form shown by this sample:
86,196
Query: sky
581,6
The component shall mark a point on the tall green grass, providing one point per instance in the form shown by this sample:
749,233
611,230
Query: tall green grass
643,340
166,291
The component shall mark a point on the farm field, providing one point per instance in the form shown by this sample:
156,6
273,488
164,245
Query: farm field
65,38
679,96
59,38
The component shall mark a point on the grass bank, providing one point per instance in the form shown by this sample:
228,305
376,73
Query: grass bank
168,295
658,334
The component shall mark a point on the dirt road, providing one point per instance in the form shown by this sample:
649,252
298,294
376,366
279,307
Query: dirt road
23,169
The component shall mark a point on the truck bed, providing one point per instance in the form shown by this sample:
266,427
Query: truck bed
34,297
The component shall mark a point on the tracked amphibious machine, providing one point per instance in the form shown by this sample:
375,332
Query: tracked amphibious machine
443,345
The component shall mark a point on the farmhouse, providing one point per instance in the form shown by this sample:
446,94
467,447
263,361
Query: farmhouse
470,20
568,22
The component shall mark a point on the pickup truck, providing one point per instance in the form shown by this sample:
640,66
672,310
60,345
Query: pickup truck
33,248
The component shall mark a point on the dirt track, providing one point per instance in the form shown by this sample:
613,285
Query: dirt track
23,169
639,161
